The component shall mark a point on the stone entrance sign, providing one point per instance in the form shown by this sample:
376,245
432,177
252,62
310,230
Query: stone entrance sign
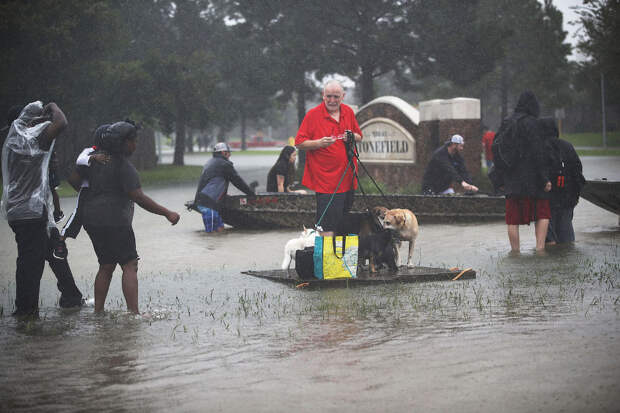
388,124
386,141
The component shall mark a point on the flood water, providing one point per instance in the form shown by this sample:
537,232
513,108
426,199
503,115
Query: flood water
530,333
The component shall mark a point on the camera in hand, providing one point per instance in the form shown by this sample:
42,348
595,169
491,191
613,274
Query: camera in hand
350,136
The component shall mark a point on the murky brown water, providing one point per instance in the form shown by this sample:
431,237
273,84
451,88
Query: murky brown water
531,333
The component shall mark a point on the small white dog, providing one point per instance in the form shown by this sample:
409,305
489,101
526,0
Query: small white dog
305,240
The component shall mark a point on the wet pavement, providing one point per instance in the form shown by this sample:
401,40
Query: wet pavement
530,333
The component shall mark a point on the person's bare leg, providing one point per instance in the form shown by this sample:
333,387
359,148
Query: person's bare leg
102,285
541,227
130,285
513,237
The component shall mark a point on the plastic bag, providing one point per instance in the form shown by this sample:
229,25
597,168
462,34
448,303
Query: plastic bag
336,257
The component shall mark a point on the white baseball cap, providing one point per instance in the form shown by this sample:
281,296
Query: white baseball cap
457,139
221,147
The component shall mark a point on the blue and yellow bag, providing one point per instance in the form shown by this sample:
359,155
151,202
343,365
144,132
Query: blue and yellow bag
336,257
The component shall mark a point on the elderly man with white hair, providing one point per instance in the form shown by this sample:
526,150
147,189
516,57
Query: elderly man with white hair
327,170
446,169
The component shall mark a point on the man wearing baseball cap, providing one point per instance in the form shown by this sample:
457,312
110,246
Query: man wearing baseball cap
213,186
446,169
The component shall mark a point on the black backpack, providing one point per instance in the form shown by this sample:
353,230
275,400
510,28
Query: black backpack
506,147
557,163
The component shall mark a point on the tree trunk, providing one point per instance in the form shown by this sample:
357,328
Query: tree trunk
179,143
145,156
504,90
221,134
242,119
189,141
301,114
368,87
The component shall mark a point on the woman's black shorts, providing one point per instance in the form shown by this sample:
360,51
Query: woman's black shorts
113,245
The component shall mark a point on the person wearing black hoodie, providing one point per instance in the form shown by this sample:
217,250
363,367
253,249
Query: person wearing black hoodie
527,184
567,181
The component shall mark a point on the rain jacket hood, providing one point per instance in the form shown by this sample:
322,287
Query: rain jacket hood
528,104
548,128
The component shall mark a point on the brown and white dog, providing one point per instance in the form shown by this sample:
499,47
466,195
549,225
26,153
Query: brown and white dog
379,213
405,224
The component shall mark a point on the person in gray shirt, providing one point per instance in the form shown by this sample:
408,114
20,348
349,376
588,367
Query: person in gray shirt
107,213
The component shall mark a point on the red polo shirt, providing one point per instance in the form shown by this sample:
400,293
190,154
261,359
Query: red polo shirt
325,166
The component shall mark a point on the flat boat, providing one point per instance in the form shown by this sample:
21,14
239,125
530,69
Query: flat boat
603,193
291,210
403,275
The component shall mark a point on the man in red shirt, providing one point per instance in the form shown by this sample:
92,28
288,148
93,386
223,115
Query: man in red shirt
327,169
487,141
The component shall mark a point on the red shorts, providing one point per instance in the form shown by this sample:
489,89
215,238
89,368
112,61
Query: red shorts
522,211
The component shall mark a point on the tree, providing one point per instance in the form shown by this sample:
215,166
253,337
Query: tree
182,68
60,51
601,23
535,52
366,38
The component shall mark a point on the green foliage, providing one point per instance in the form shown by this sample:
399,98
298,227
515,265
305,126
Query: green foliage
601,23
600,20
197,64
535,53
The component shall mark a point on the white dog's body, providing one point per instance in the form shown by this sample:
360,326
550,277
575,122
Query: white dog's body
405,223
305,240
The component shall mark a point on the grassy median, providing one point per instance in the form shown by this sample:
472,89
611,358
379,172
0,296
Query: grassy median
591,143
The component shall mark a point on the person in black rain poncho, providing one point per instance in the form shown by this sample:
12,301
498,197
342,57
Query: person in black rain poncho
566,183
527,183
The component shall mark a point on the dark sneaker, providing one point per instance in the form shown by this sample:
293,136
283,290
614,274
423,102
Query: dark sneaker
60,250
63,303
58,216
22,315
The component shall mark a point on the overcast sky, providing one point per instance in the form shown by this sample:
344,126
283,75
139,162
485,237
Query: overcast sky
566,7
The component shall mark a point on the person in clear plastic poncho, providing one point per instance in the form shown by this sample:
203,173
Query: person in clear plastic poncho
26,203
25,163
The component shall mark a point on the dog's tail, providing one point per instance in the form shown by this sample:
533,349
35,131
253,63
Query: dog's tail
286,263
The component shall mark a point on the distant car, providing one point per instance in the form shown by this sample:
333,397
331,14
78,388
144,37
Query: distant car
258,142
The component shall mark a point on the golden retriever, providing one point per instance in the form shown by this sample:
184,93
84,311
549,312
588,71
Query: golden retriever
405,224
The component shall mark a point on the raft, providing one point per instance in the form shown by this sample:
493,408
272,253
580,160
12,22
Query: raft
364,277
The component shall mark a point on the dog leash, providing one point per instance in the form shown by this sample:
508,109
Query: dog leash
356,154
318,224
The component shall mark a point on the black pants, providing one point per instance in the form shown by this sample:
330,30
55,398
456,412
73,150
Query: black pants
33,249
72,227
341,203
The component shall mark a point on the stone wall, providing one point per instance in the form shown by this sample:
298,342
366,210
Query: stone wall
438,121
